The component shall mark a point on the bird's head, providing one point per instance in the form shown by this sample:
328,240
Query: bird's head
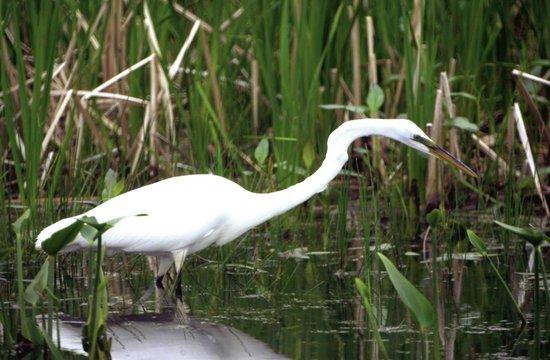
414,137
402,130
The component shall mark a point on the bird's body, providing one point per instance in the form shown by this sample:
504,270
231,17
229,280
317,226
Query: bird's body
182,213
186,214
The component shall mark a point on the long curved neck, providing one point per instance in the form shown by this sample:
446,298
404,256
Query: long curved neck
278,202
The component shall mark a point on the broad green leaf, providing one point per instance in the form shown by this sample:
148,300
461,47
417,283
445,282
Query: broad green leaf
20,222
477,242
415,301
91,228
111,188
262,150
308,155
89,233
462,123
534,236
35,289
375,98
434,217
61,238
352,108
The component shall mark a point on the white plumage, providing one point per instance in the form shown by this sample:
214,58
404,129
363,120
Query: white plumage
185,214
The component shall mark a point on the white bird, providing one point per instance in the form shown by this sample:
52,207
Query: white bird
185,214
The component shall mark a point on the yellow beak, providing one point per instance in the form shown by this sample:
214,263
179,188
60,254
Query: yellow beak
446,156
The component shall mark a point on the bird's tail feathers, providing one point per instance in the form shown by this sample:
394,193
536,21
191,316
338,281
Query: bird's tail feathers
78,243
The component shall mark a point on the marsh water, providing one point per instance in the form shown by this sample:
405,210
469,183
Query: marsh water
293,290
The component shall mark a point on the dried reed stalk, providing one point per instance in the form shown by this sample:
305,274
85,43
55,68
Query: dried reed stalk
453,133
373,76
29,81
355,55
83,23
529,156
433,181
91,123
227,22
486,149
377,144
355,62
398,91
533,109
112,40
525,75
153,108
416,25
55,121
138,145
164,92
179,59
119,76
103,95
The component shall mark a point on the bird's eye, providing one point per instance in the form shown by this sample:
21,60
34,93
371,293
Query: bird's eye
422,140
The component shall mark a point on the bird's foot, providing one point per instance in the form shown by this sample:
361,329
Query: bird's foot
179,291
158,282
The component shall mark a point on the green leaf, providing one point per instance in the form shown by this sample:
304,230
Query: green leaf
308,155
464,95
61,238
364,292
33,292
262,150
462,123
434,218
352,108
91,228
534,236
477,242
89,233
111,187
375,98
415,301
361,288
20,222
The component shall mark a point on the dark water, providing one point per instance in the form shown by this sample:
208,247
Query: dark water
306,309
301,303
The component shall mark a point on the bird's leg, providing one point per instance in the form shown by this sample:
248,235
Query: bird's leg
158,282
159,266
163,264
182,309
179,258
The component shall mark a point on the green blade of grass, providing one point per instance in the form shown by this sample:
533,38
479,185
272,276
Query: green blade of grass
364,292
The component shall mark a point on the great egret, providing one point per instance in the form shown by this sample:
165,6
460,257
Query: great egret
185,214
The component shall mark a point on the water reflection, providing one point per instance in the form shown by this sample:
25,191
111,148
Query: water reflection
150,336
